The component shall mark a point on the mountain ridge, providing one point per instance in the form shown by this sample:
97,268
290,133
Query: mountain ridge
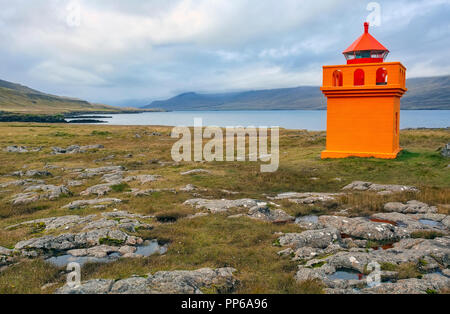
423,93
20,99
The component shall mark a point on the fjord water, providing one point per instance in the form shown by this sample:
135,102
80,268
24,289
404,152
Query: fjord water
313,120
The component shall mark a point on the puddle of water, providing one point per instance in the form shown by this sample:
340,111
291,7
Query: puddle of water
310,219
147,249
431,223
151,247
346,274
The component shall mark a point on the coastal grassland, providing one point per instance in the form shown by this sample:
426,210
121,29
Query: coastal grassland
214,240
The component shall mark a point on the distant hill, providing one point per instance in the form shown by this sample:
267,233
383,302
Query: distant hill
21,99
424,93
427,93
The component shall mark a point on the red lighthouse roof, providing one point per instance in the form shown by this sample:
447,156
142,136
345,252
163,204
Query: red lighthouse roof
366,49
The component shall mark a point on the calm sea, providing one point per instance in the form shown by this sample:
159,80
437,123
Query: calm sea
290,119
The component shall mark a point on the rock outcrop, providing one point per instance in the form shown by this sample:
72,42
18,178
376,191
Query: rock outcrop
379,188
75,149
103,202
216,206
307,198
30,195
164,282
264,213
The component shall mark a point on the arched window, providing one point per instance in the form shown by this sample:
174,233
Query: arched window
338,79
382,76
359,77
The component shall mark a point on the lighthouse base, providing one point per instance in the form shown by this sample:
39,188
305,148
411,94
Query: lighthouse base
337,154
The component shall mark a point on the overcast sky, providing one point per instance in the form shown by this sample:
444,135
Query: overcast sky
154,49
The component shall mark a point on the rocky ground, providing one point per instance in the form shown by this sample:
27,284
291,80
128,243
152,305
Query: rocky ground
139,223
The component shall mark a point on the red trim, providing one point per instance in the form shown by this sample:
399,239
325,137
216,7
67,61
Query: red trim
365,60
366,42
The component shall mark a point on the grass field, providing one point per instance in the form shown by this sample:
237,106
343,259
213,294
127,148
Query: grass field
214,240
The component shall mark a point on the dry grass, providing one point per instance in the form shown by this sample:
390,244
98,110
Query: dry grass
212,241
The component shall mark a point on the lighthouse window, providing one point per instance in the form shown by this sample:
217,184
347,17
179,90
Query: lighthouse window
337,78
362,54
382,76
358,77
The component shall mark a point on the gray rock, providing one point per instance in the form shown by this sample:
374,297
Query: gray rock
74,183
124,214
97,286
362,228
32,173
445,151
307,198
75,149
264,213
411,222
69,241
114,177
134,285
192,282
100,251
369,186
25,198
149,192
305,273
189,188
22,149
311,238
411,207
54,223
87,203
5,251
100,189
21,183
100,224
143,179
216,206
16,149
91,172
51,192
430,282
165,282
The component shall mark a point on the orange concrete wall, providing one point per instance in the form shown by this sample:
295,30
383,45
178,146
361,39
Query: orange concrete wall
354,125
363,120
396,74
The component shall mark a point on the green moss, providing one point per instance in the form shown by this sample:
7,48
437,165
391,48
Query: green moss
38,227
122,187
111,242
318,265
61,134
422,262
389,267
100,133
426,235
277,243
431,291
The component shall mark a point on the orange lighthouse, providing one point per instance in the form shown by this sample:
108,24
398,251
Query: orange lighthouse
363,115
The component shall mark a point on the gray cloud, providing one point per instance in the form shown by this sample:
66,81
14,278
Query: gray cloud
154,49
